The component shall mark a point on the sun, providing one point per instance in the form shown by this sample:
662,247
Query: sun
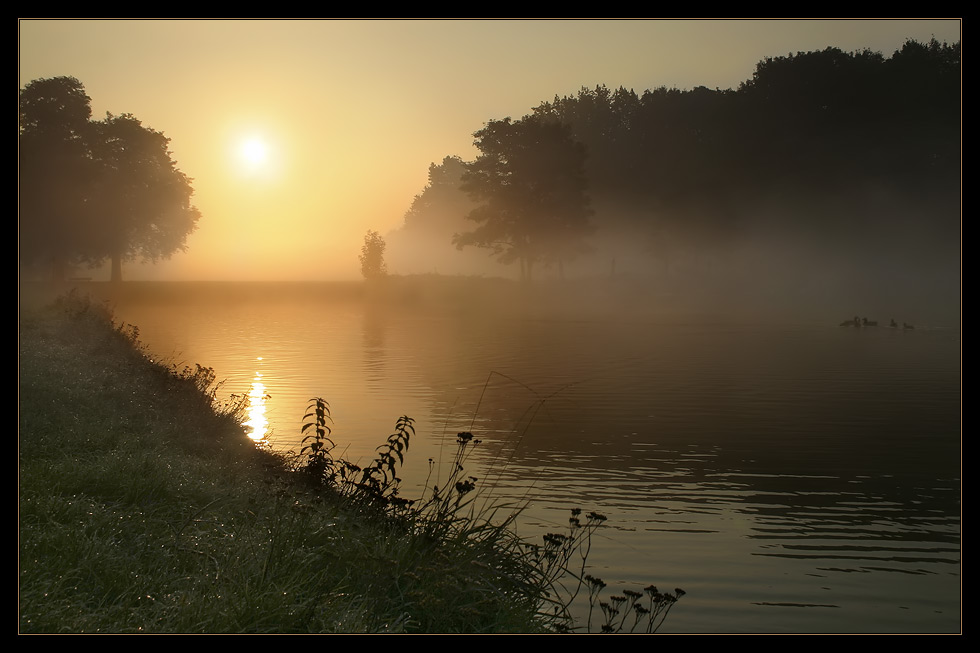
256,157
254,152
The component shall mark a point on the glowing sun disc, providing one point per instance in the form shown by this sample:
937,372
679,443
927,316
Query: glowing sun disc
254,151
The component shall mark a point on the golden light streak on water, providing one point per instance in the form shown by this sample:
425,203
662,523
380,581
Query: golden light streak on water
257,424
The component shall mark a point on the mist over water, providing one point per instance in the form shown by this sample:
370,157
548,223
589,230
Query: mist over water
791,475
881,256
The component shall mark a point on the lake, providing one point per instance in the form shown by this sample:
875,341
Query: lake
790,476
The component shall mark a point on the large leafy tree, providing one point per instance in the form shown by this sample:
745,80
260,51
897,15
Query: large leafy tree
92,191
55,172
140,201
529,182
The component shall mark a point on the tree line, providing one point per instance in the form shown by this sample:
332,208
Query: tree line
688,168
92,191
808,135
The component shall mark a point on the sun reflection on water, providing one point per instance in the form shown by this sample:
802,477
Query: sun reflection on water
257,423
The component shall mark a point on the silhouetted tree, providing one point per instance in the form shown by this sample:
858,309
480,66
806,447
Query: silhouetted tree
820,146
926,95
530,183
372,256
140,201
55,172
93,191
601,120
435,214
441,206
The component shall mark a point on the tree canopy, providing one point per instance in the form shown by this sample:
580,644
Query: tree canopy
92,191
529,181
442,204
823,167
55,171
830,148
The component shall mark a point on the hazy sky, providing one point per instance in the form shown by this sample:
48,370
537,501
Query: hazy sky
345,117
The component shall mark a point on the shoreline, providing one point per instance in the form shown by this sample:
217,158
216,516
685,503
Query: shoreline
143,509
576,299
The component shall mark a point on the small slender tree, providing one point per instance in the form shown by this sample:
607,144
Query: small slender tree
372,256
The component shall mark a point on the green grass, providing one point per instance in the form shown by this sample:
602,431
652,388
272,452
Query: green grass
144,508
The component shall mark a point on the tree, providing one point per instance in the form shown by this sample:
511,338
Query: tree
140,201
435,214
529,181
441,205
92,191
55,171
372,256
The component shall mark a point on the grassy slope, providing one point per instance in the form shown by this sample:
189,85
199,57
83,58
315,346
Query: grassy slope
142,510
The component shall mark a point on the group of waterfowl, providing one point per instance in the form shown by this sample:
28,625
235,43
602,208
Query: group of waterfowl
865,322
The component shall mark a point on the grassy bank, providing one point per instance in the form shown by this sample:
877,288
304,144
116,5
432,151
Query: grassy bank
143,509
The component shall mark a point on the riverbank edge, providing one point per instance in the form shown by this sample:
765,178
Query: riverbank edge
144,508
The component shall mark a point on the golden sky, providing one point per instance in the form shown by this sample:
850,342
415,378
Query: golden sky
302,135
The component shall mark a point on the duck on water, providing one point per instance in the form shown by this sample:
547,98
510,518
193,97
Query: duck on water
865,322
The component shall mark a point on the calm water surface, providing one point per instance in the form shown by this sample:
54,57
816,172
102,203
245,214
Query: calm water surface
790,478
